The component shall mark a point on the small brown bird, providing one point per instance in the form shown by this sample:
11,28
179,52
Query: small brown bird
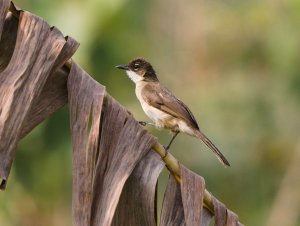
162,107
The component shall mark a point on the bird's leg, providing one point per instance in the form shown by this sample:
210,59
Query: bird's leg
171,141
146,123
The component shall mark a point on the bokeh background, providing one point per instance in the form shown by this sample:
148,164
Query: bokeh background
234,63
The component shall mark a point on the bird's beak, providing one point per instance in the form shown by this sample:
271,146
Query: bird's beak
123,67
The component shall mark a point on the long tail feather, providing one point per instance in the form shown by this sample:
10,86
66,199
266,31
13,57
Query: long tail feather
208,142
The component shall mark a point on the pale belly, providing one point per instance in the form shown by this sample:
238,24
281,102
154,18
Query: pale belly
160,118
164,120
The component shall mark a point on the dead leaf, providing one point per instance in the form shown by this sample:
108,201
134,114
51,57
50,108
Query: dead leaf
220,212
192,192
34,58
172,213
137,205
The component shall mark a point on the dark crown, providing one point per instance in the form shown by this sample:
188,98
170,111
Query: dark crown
141,64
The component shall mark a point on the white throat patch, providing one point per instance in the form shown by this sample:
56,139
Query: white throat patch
134,76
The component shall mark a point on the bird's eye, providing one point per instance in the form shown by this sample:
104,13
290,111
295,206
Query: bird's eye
136,66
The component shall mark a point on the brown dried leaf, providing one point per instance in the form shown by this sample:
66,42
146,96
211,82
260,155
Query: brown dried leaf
123,143
54,91
85,103
232,219
8,40
192,192
206,217
172,213
4,6
182,203
137,205
37,48
220,212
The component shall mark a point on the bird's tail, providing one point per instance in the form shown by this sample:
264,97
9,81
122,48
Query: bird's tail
208,142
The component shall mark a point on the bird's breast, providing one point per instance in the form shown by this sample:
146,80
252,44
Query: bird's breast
159,117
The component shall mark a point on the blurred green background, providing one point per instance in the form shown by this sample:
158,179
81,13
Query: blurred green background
234,63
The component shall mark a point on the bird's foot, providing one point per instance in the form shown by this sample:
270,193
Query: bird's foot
146,123
143,123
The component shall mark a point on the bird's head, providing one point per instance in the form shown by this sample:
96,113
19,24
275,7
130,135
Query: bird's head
139,70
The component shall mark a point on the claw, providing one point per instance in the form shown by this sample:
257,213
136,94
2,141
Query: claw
142,123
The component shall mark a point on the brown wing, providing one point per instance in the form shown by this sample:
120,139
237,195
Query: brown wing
160,97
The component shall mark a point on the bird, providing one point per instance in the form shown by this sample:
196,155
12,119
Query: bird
162,106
